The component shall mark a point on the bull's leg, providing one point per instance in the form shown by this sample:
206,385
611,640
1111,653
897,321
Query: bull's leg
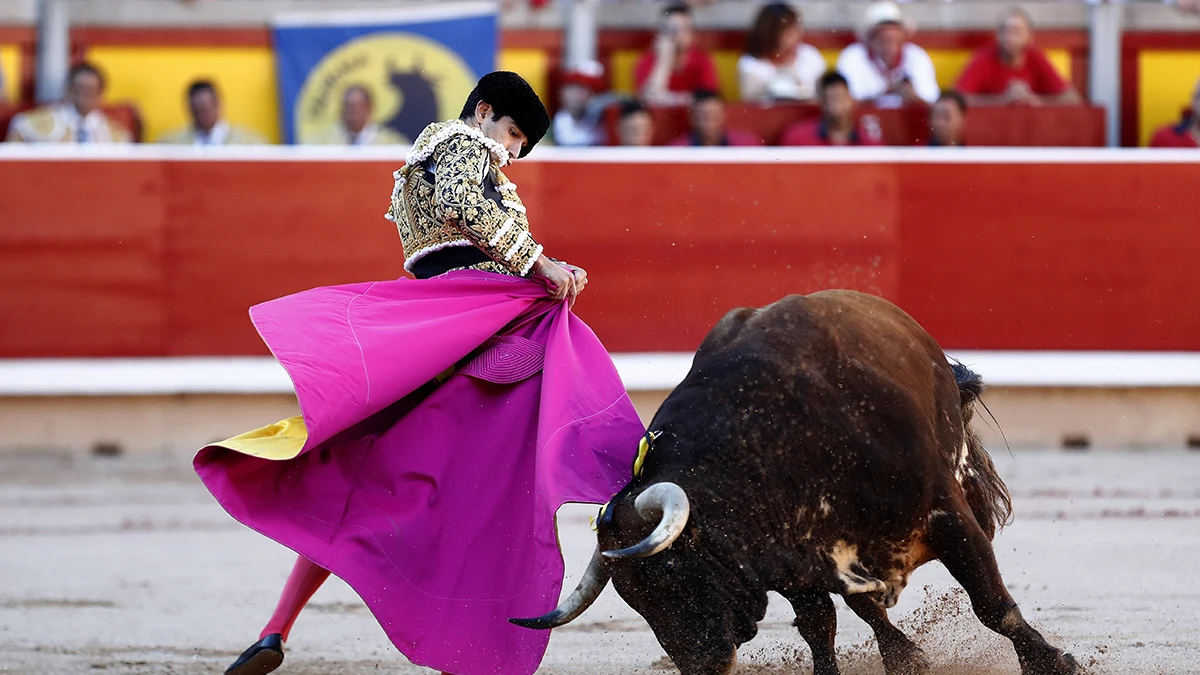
817,621
901,656
964,549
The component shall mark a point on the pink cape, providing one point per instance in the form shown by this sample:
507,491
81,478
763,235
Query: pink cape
436,505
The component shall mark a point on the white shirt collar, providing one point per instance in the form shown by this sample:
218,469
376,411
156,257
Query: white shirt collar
218,135
94,124
364,137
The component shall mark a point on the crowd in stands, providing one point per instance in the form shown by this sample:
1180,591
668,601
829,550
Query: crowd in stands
883,69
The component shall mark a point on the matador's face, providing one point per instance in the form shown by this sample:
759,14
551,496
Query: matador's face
504,130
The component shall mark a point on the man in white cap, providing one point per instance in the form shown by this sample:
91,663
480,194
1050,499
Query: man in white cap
577,123
884,67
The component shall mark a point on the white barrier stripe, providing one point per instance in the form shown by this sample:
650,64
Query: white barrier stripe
639,371
767,155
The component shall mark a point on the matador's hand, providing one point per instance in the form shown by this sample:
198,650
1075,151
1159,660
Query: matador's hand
559,282
581,278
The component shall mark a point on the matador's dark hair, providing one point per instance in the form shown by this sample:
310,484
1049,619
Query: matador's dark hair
511,96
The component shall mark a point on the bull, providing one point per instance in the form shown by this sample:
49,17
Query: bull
820,445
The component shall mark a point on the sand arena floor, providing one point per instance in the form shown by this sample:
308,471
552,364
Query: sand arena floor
125,565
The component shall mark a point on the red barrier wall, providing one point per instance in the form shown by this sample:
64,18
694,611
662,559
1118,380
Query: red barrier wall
142,258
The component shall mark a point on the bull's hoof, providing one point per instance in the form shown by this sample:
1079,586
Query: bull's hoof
905,661
1061,664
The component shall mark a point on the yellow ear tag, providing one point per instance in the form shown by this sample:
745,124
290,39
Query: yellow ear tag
597,518
644,446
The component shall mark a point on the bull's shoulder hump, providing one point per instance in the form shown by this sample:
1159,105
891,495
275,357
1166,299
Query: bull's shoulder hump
870,308
728,328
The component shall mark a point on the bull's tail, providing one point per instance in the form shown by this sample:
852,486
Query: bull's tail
986,493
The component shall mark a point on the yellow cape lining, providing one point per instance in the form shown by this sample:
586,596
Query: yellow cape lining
281,440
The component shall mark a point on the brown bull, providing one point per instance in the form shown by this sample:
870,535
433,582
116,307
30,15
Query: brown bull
819,445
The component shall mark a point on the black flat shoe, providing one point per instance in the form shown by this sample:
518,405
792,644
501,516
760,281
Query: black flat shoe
263,657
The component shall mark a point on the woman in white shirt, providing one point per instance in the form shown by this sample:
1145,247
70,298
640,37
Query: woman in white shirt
777,64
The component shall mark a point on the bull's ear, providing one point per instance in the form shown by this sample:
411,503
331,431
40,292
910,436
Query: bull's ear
595,521
644,447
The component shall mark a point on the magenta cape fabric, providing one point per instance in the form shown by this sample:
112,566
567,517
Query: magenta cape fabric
437,508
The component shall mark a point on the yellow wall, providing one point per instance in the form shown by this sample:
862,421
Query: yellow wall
949,64
10,67
155,78
531,64
621,67
1061,60
1166,82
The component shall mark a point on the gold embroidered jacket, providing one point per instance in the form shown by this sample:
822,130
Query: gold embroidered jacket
451,192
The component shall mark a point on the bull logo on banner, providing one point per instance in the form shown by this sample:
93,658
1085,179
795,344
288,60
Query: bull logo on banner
412,81
415,66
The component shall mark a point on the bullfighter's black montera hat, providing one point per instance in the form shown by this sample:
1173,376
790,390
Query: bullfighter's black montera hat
511,96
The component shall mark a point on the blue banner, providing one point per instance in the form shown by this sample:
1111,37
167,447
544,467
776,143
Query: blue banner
401,69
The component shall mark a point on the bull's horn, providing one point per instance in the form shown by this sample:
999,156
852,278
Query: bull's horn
669,503
595,578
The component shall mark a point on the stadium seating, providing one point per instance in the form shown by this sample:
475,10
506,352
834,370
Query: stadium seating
1061,126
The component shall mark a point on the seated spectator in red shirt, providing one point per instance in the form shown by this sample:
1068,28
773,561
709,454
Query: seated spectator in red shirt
675,68
1185,134
636,127
947,119
1014,71
837,125
708,125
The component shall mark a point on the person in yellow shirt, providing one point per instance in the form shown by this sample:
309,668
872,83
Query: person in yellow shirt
356,126
208,127
78,119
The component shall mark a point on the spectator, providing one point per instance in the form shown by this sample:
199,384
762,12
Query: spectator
356,126
884,67
1185,134
675,68
78,119
1014,71
777,64
208,127
577,122
636,126
837,125
947,119
708,124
